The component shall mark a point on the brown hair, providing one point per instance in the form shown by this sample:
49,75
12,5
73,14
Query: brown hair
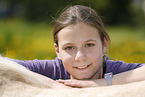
79,13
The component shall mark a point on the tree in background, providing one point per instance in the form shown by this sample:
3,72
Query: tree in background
112,11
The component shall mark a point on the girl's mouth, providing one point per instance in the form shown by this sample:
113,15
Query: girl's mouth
82,67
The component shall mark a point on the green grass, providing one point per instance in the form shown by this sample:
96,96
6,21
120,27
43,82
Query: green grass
127,44
24,40
32,40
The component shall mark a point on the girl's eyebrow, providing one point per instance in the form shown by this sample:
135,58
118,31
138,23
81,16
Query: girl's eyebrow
91,40
67,44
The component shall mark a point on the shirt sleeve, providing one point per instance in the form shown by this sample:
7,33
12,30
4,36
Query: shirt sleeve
119,66
51,68
44,67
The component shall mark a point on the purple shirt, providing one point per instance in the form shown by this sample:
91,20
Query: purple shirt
54,68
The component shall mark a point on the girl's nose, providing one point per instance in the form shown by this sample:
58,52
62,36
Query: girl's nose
80,56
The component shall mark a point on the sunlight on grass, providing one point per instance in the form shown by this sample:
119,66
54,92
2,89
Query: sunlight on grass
24,40
127,44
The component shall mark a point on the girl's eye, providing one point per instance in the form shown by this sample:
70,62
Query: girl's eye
69,48
89,45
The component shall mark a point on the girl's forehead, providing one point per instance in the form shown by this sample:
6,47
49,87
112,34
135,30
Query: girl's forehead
81,26
78,31
78,28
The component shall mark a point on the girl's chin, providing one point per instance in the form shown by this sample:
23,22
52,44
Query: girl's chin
85,77
81,78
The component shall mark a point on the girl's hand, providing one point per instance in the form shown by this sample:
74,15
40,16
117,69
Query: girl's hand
78,83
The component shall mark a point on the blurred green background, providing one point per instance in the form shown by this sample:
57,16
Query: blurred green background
26,27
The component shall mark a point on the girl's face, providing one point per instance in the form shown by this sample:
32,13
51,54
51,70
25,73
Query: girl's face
81,51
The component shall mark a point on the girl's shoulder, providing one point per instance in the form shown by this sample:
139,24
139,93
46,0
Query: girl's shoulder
50,68
119,66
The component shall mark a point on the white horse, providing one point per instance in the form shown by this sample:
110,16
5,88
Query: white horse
17,81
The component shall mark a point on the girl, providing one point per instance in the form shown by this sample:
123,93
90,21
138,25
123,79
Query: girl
80,42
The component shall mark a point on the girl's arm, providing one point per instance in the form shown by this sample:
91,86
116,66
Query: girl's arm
135,75
129,76
49,68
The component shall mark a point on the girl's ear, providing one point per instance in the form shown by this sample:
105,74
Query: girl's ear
105,45
57,51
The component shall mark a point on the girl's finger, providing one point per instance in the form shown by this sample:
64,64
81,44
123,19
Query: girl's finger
60,81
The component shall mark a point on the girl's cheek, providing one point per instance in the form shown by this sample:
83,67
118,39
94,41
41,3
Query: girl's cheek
66,57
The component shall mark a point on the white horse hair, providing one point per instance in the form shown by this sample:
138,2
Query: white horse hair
17,81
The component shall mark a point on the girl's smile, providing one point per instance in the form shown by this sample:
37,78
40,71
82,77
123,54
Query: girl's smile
80,49
81,67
